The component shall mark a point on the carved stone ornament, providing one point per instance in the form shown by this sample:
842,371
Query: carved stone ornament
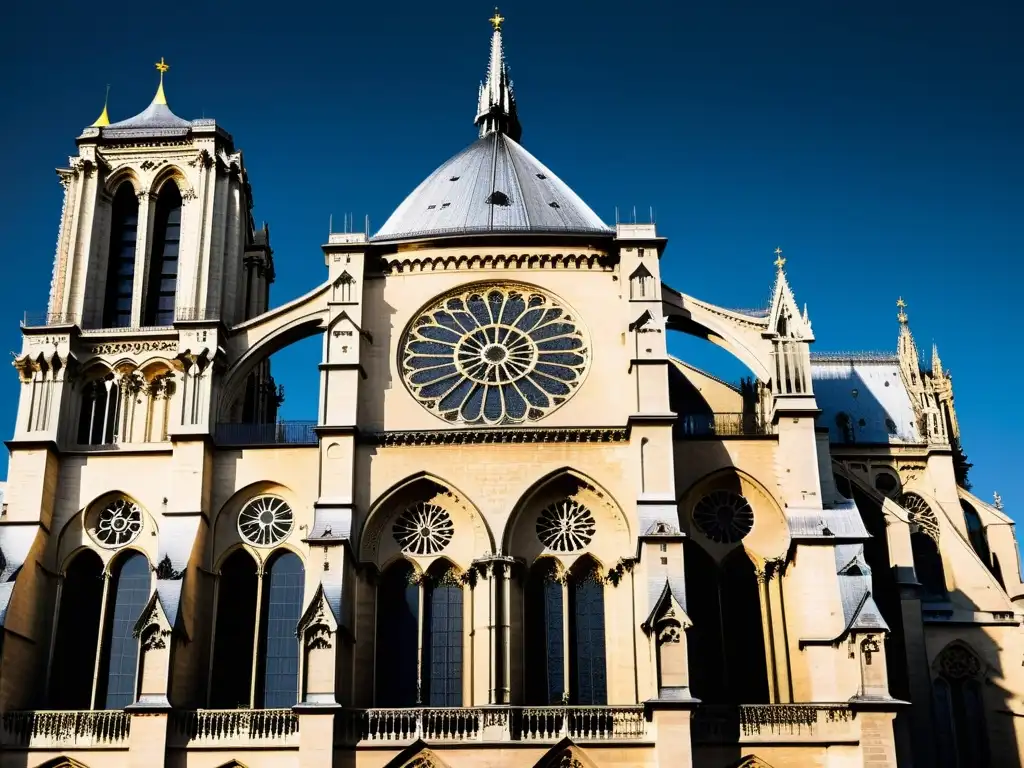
958,663
318,631
154,637
133,347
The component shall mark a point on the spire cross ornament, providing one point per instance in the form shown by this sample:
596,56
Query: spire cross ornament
779,261
902,316
496,19
162,66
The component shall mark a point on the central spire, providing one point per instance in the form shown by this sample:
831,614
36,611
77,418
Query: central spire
496,112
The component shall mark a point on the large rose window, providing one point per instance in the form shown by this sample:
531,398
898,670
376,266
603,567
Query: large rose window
494,355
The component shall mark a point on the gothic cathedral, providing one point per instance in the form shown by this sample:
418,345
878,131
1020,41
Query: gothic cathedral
518,533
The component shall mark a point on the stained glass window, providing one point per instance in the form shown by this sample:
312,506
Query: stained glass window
495,355
589,684
545,680
442,642
117,309
398,607
960,710
128,593
279,658
163,268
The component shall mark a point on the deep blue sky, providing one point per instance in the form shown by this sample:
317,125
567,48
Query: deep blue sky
878,143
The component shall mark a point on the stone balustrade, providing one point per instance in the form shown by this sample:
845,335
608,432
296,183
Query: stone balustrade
58,729
491,724
236,727
766,723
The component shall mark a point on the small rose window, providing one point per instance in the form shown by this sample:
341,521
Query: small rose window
117,524
265,521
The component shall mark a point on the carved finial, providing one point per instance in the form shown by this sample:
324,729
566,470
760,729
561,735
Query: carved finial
161,67
779,261
902,316
997,501
496,19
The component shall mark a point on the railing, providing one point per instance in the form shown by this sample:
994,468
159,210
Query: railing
59,729
229,727
434,724
721,424
772,722
535,724
590,723
281,433
190,314
43,319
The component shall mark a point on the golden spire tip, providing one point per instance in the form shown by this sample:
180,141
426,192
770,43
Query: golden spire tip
161,67
104,118
779,261
902,305
496,20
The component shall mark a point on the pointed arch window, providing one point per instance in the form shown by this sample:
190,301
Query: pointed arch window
420,631
545,637
588,680
100,412
960,709
77,634
924,544
727,636
264,610
976,532
163,267
117,306
127,594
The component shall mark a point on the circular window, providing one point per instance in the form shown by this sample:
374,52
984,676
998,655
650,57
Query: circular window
566,526
424,529
886,483
723,516
499,355
118,523
265,521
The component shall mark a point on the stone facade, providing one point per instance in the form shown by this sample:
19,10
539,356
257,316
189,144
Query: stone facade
602,556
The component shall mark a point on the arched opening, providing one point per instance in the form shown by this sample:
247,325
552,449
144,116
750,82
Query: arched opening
99,415
976,532
442,637
726,642
277,676
231,685
545,634
960,709
928,565
588,675
117,306
127,594
163,265
397,649
78,625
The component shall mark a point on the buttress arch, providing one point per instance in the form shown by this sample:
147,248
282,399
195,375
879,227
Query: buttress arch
452,525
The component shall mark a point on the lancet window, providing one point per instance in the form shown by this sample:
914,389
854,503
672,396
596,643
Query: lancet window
420,636
95,625
163,267
727,638
976,532
256,652
960,709
117,306
924,543
125,407
565,634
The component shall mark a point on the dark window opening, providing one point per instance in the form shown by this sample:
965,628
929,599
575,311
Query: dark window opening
498,198
553,204
442,641
545,645
278,672
117,306
398,607
127,595
588,679
78,627
541,176
236,626
163,267
454,178
886,483
928,565
100,412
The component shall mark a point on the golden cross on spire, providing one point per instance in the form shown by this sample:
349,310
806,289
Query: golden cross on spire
902,316
496,19
162,66
779,261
